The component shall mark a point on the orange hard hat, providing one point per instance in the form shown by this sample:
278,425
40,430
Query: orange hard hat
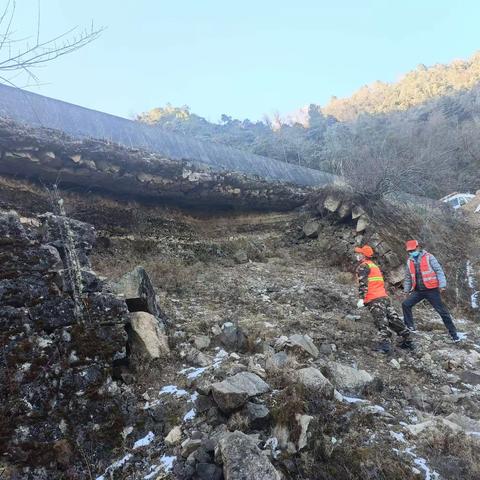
366,250
411,245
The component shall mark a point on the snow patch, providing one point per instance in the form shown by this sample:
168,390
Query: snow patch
421,463
219,358
272,443
354,400
167,462
192,372
173,390
115,466
190,415
375,409
472,283
154,470
398,436
143,442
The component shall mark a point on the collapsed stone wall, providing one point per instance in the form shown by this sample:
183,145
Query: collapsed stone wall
60,409
49,157
386,224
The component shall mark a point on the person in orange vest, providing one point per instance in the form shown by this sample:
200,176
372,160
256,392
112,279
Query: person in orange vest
371,288
424,280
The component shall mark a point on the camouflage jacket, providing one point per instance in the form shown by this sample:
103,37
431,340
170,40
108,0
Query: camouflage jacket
363,271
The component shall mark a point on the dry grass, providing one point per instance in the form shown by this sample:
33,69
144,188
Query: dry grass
456,455
345,278
347,325
238,421
288,403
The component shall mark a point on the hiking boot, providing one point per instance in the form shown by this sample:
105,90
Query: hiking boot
407,345
456,339
384,347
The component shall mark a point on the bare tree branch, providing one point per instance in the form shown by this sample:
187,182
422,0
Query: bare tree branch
29,57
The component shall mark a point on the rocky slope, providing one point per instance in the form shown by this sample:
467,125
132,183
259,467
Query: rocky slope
251,361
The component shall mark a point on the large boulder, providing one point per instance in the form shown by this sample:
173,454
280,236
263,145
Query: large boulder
357,211
344,210
243,460
233,392
59,359
314,382
331,204
258,415
396,275
148,335
63,233
345,378
232,337
362,223
311,229
137,289
277,361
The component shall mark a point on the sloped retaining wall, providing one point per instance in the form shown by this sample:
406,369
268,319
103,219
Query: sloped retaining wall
39,111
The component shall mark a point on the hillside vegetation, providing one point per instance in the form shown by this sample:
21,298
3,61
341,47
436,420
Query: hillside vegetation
418,135
414,88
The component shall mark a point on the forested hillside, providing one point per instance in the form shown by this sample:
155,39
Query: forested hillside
419,135
414,88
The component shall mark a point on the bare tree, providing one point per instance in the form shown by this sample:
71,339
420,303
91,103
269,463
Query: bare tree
22,55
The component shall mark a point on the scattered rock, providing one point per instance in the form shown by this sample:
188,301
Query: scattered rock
256,368
208,471
472,378
394,363
467,424
148,335
232,337
314,381
311,229
201,342
344,210
357,212
303,343
455,422
362,223
243,460
347,378
203,403
258,414
303,422
189,446
233,392
240,256
327,348
197,358
276,361
331,204
396,275
174,436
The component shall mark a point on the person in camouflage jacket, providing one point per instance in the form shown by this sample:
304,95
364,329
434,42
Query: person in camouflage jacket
372,293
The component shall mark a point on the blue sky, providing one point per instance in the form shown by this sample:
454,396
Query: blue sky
244,58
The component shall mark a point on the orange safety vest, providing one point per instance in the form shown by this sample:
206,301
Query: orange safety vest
429,277
376,283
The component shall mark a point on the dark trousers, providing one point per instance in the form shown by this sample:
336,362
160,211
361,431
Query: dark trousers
433,297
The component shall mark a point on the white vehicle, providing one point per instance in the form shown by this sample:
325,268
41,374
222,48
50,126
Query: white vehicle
456,200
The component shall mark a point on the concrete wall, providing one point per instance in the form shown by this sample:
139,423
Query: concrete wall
39,111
